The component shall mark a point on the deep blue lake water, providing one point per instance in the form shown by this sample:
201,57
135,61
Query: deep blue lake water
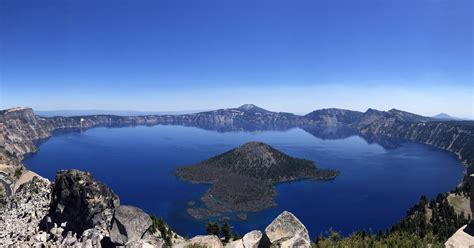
375,188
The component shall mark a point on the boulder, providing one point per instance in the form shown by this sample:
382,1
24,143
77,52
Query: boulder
79,202
235,244
41,237
129,224
145,244
464,237
287,231
206,241
250,240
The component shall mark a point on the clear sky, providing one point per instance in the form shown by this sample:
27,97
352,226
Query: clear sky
293,56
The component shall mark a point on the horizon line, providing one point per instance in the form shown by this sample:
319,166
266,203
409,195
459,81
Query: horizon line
176,112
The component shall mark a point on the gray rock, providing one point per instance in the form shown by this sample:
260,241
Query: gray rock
464,237
88,244
250,240
41,237
206,241
145,244
56,231
129,224
287,231
24,211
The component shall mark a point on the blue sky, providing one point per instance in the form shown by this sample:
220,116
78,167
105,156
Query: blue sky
293,56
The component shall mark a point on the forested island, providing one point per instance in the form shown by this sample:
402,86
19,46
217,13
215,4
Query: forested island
243,178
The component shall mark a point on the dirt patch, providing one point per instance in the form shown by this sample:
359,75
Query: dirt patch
9,169
24,178
460,204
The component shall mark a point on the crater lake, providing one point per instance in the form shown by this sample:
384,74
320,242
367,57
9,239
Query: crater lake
375,188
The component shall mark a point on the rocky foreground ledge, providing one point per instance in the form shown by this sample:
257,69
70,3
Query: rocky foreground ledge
78,211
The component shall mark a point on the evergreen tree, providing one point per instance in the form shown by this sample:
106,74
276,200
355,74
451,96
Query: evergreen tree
226,232
212,228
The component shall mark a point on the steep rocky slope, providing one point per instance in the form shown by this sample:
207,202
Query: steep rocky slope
333,117
454,136
19,128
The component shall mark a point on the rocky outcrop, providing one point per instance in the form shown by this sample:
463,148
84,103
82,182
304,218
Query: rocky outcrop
19,127
79,202
287,231
129,224
74,211
250,240
464,237
202,241
25,212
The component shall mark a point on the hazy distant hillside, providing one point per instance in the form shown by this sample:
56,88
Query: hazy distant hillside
444,116
51,113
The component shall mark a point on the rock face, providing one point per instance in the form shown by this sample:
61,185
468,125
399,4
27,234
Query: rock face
287,231
80,202
19,127
454,136
129,224
74,211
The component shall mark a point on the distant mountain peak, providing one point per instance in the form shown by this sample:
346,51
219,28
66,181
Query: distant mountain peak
247,106
251,107
444,116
